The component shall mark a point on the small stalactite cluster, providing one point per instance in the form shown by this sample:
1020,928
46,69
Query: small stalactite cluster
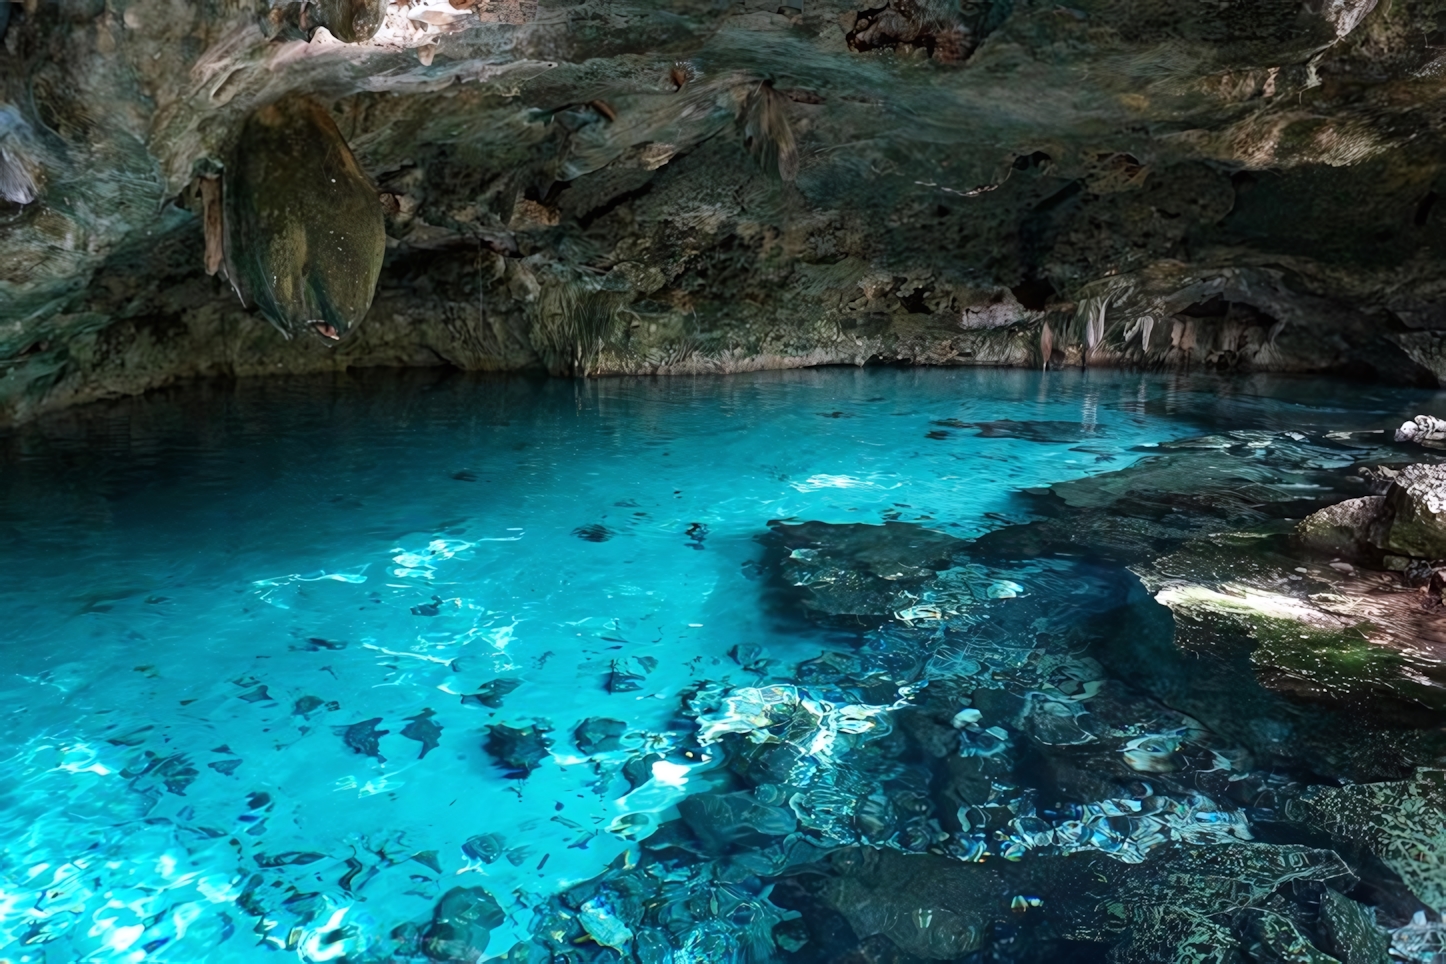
350,21
1115,324
573,325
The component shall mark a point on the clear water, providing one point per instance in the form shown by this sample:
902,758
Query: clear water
204,588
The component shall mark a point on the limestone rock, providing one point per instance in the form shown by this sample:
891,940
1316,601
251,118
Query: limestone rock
1350,931
1102,163
350,21
1398,822
930,907
1422,428
1417,501
462,924
304,227
1346,527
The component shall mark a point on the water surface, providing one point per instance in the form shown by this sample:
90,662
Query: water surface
237,618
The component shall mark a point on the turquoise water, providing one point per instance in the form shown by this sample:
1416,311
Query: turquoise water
234,619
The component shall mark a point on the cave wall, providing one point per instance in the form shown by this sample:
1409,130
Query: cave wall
609,187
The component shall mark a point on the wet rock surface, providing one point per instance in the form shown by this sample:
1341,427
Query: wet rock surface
1052,772
594,187
1417,503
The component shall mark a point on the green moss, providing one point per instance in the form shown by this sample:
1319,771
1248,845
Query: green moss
1341,664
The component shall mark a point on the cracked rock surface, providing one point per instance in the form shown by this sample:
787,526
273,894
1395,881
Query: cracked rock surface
616,186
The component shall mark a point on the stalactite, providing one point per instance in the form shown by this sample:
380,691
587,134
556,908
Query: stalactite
304,229
767,134
213,223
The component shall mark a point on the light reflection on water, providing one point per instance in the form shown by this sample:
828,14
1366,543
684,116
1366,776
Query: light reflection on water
226,611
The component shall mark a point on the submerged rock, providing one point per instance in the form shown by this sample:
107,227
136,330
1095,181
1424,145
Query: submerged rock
1038,430
364,738
1204,525
599,735
486,847
462,925
1400,823
1178,906
424,730
858,572
518,749
1272,937
1350,932
930,907
304,229
491,693
629,673
661,910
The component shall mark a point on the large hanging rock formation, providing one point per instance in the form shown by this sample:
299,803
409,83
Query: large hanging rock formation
304,236
632,186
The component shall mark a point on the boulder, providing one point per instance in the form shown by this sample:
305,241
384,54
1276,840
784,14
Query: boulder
1408,521
1346,528
1422,428
462,924
1417,503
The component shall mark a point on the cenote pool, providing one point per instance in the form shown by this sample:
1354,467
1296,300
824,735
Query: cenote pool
830,665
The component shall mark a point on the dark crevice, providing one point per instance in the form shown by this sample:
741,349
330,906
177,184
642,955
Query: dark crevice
1033,293
1214,307
1024,162
1423,209
613,204
914,302
1059,198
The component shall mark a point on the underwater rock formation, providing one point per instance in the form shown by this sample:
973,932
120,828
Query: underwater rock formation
861,572
1208,527
649,187
461,925
874,808
1399,823
304,232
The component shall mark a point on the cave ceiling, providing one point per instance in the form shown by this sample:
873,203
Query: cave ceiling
609,187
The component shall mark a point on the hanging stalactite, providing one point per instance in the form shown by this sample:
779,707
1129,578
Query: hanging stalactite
304,229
